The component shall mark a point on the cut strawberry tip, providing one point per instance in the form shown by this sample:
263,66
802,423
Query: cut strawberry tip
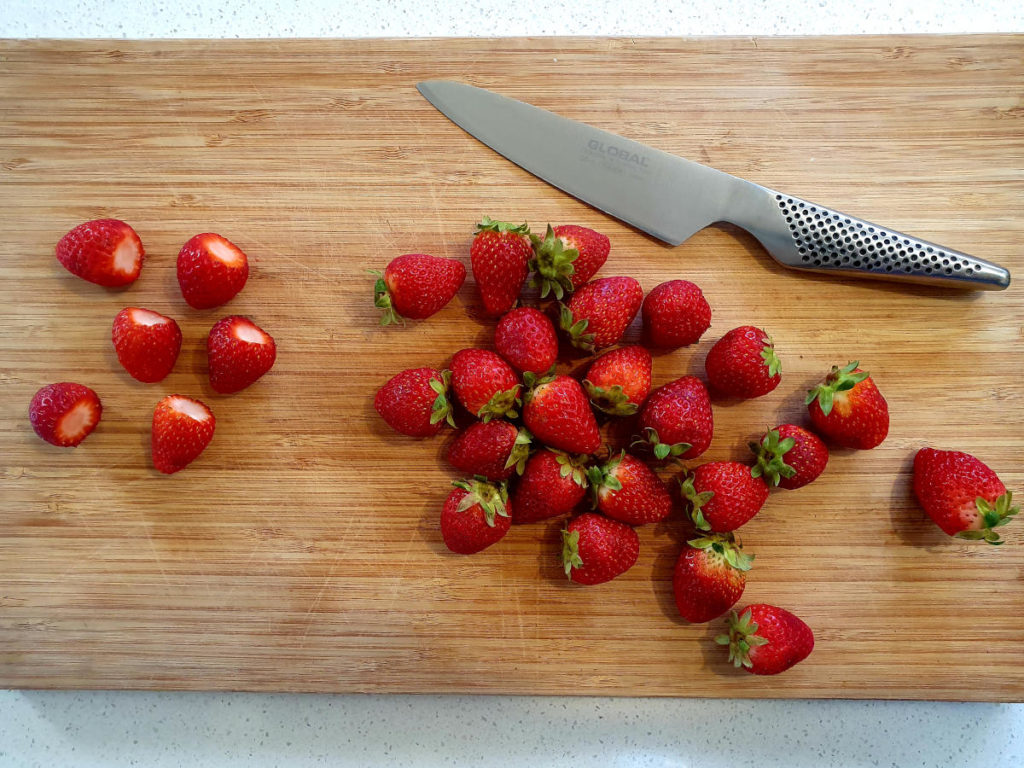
189,407
147,317
78,422
224,251
250,333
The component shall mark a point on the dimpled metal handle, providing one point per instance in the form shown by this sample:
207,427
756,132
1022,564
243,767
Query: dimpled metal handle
809,236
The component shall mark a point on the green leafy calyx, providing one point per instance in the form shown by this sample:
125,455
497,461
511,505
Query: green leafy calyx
603,477
838,380
771,360
661,450
520,450
575,466
552,264
993,515
441,410
770,453
741,638
492,497
571,551
501,405
576,330
696,501
725,546
611,400
382,300
487,224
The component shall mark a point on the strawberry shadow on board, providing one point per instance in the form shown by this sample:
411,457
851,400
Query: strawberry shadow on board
909,522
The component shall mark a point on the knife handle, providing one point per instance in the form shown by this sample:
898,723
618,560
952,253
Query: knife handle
812,237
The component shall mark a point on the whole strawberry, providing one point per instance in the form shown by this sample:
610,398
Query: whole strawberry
848,409
211,270
182,428
553,483
485,384
567,257
557,413
619,381
709,577
147,343
239,352
65,413
526,338
962,495
106,252
474,516
416,285
599,312
626,489
596,549
743,364
492,449
415,402
723,495
789,457
500,257
766,640
676,420
675,314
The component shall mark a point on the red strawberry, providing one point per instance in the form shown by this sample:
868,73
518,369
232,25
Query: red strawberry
65,413
182,428
553,483
526,338
596,549
723,495
147,343
416,286
599,312
962,495
558,414
619,381
240,352
567,257
766,640
789,457
848,409
211,270
500,255
676,420
493,449
415,402
105,251
474,516
743,363
485,384
675,314
627,490
709,577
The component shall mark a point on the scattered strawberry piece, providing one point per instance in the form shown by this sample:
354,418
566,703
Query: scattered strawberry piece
743,364
526,338
147,343
65,413
492,449
627,490
962,495
416,285
500,257
415,402
599,312
553,483
486,385
558,414
848,409
723,495
211,270
789,457
596,549
107,252
474,516
182,428
676,420
567,257
675,314
709,577
240,352
766,640
619,381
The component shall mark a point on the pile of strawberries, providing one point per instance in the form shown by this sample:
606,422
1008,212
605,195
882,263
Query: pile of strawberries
211,271
533,450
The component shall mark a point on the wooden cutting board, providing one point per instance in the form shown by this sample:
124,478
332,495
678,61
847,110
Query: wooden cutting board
302,551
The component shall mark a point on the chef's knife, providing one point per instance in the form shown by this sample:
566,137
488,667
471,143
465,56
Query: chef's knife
671,198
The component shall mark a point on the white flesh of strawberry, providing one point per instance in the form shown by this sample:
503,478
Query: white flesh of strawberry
221,250
190,408
77,420
126,257
147,318
249,333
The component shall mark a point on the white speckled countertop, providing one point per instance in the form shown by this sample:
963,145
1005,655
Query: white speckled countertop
56,728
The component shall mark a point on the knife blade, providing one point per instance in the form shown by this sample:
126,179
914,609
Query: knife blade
671,198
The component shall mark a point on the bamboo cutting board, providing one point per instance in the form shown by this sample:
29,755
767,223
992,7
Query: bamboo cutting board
302,551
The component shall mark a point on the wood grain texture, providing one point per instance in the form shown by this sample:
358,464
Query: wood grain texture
302,551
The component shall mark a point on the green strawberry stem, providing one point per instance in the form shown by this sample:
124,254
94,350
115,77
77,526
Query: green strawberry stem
520,450
576,330
487,224
741,638
571,551
771,360
770,453
382,300
696,500
553,265
725,544
611,400
838,380
441,410
992,516
661,450
492,497
501,404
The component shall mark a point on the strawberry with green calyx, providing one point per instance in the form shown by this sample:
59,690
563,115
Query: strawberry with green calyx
709,577
415,402
962,495
599,312
415,286
626,489
676,420
766,640
494,449
566,258
552,484
743,364
619,381
596,549
848,409
500,256
557,412
789,457
474,515
485,384
723,495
